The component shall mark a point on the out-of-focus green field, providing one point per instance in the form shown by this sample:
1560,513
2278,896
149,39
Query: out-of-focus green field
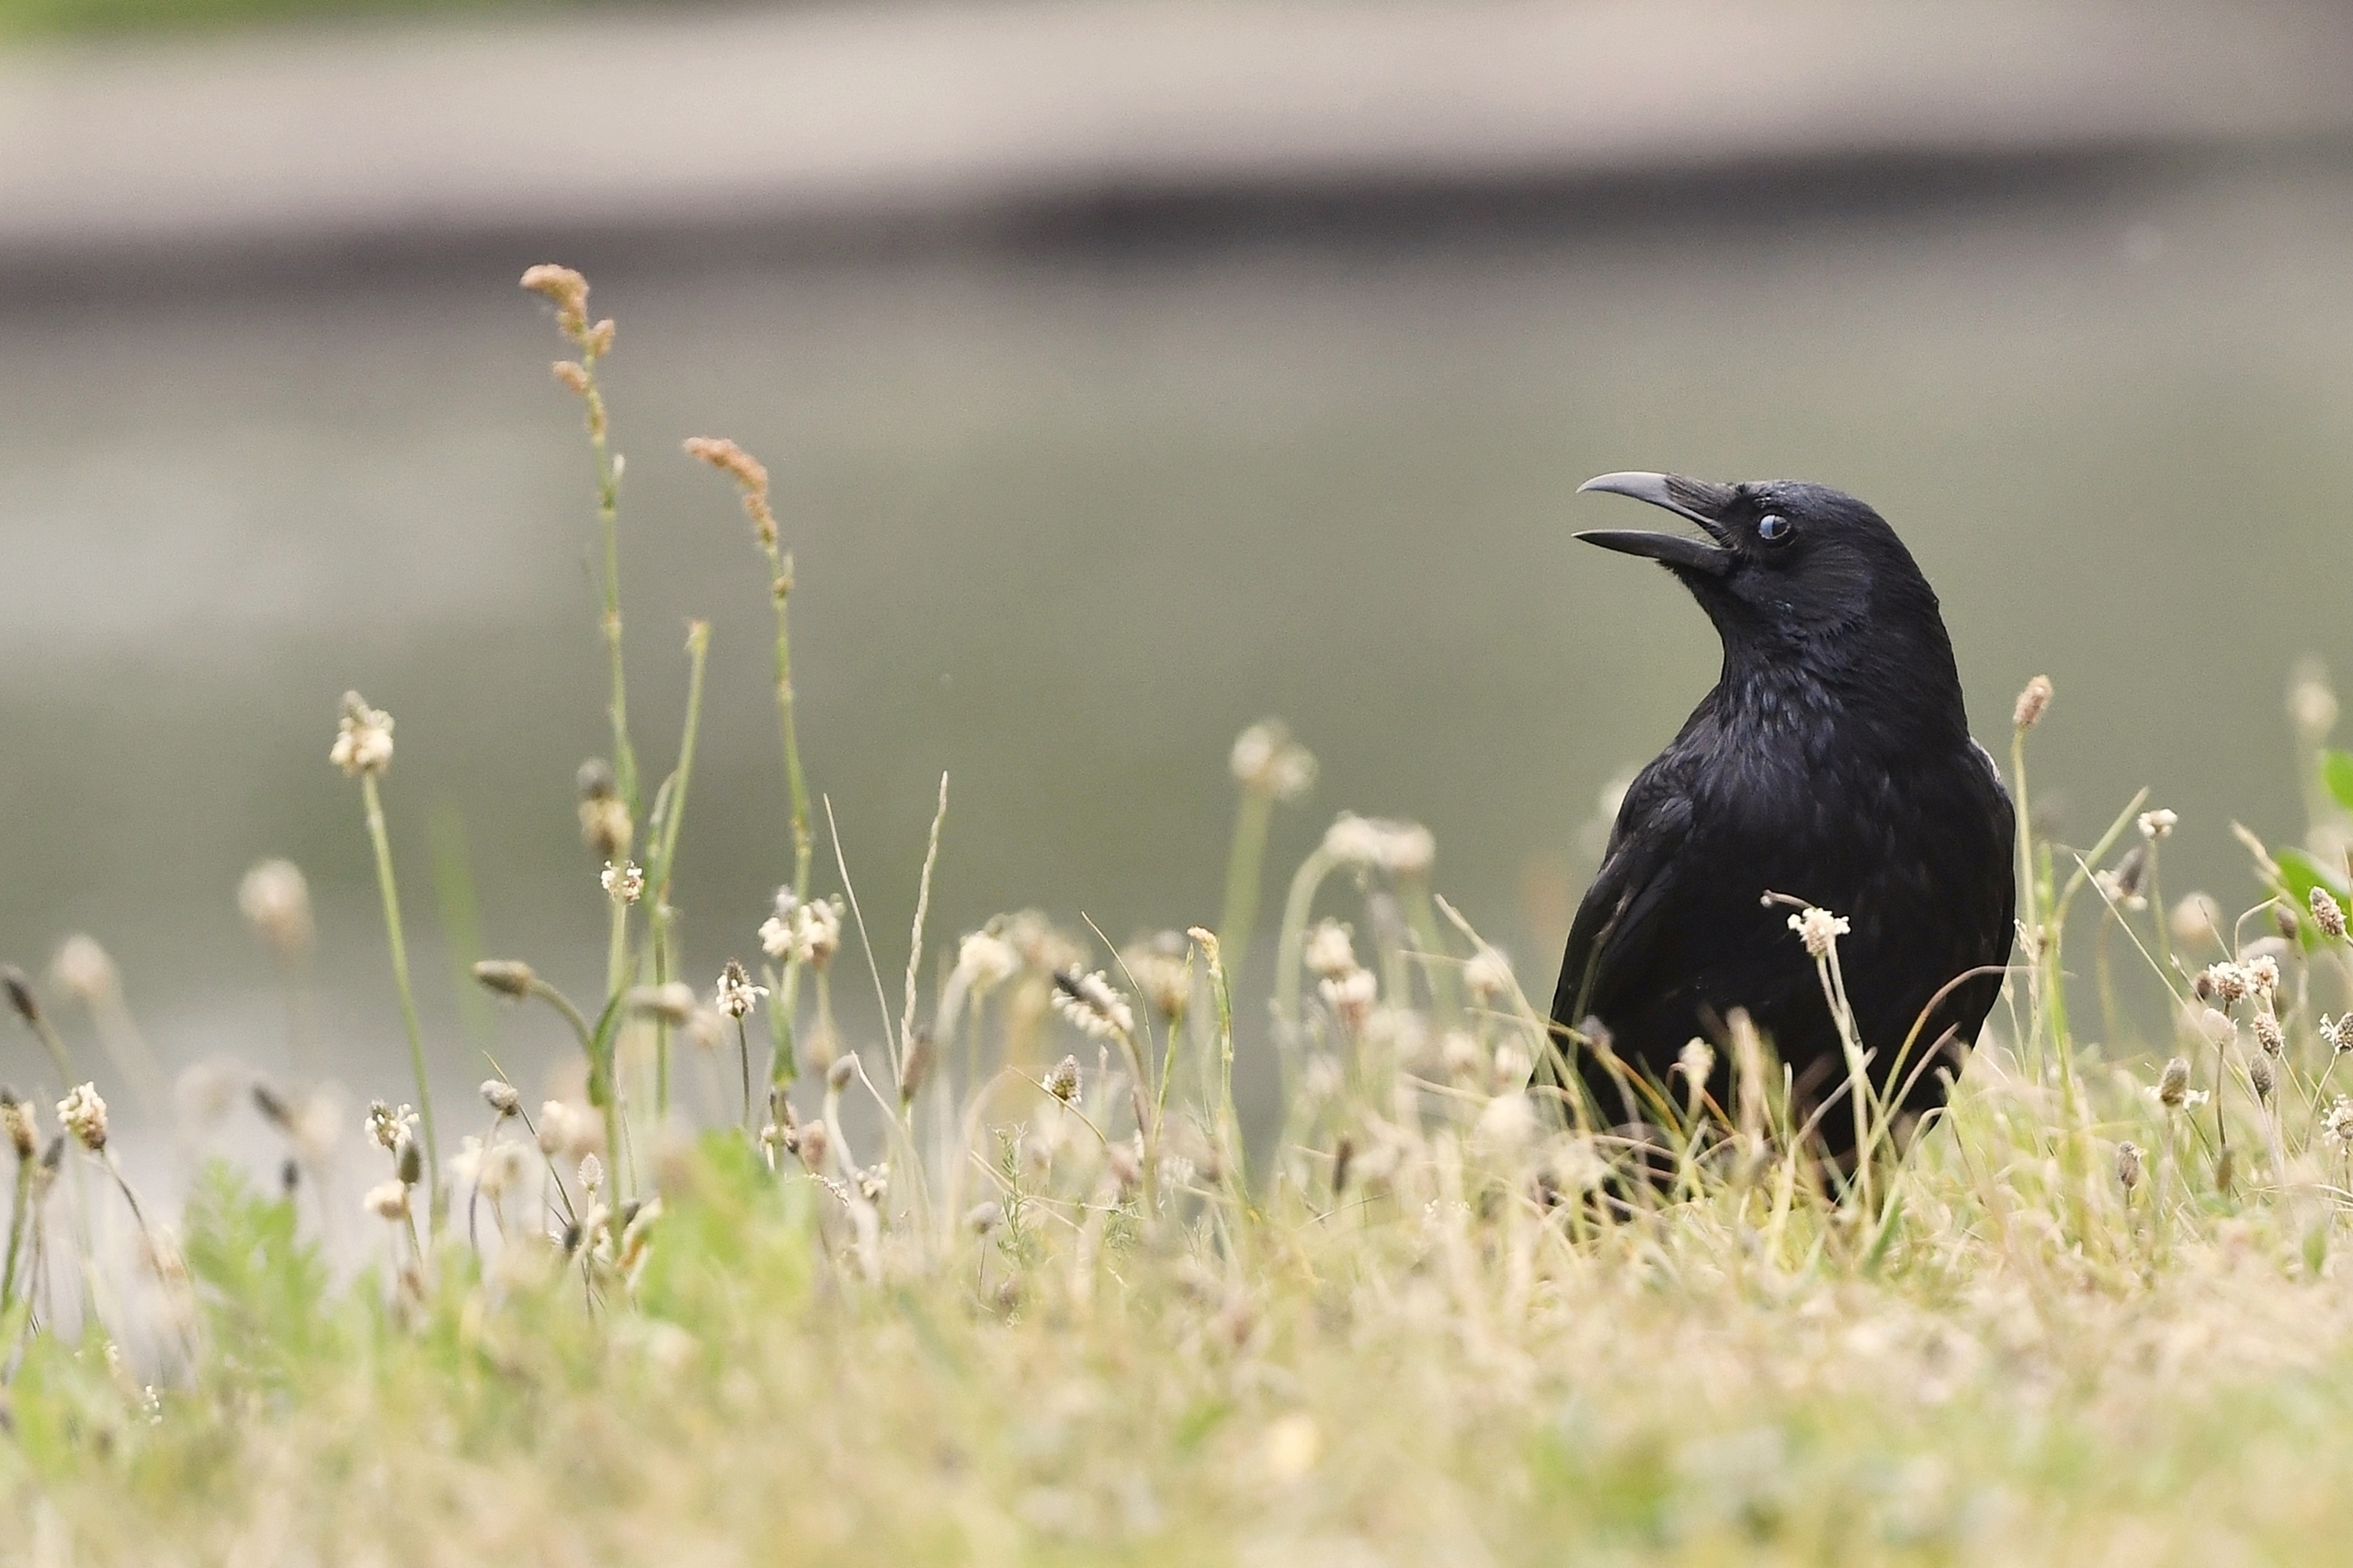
33,18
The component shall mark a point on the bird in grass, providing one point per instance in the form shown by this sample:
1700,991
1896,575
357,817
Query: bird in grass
1832,763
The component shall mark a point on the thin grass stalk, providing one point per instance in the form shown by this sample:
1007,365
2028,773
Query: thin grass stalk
666,850
382,839
915,940
608,482
20,1209
1289,943
804,836
1245,867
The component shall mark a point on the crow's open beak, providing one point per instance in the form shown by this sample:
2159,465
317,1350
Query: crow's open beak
1694,498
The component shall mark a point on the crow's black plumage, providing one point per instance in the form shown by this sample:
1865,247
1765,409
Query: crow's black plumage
1832,763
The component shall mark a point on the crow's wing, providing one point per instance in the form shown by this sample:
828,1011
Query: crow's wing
1635,883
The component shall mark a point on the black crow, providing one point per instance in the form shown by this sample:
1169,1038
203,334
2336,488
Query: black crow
1833,764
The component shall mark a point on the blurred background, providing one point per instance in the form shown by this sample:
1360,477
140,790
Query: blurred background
1130,369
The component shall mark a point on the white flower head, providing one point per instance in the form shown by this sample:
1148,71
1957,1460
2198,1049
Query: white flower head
83,970
567,1129
364,742
2158,824
2228,982
735,994
1088,1001
465,1165
275,899
1818,929
806,933
1486,973
1161,969
83,1114
388,1126
387,1200
624,881
2312,706
1267,760
1698,1058
2337,1125
1366,843
987,961
504,1168
1329,951
1350,997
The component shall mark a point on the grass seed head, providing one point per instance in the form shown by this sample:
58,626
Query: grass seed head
2261,1077
564,288
1162,972
672,1003
751,477
1088,1001
2328,914
510,978
810,1141
22,1125
2031,703
1063,1082
2172,1085
917,1067
20,993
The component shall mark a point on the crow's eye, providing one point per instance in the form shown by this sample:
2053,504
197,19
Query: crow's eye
1774,528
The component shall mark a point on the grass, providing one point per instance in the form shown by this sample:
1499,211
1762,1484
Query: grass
1008,1282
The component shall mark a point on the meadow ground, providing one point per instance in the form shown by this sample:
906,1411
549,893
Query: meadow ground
1008,1282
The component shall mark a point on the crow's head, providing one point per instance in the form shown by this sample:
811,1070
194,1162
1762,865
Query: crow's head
1784,566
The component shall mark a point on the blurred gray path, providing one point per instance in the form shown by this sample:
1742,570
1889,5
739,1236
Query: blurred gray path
361,135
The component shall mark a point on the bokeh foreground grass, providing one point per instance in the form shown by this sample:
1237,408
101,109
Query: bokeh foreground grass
1009,1281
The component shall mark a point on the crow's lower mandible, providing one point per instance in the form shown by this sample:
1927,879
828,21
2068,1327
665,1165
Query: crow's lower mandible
1832,763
